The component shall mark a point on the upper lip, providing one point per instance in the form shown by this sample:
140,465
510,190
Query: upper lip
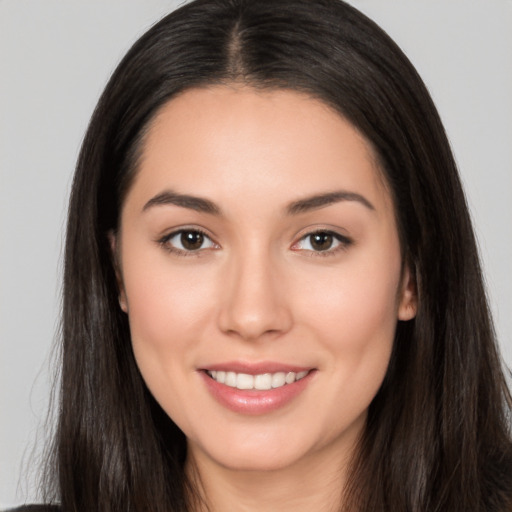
255,368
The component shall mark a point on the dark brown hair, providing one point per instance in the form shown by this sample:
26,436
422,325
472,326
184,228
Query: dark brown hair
437,437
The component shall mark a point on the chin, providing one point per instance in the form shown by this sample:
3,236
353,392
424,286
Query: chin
257,459
261,449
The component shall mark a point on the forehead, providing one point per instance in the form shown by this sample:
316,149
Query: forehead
228,140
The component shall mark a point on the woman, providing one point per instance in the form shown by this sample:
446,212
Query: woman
272,294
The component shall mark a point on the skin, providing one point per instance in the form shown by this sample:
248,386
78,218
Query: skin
256,290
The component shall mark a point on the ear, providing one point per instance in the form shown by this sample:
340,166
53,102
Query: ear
113,241
408,299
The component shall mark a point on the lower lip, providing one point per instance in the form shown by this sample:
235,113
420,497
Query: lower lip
253,401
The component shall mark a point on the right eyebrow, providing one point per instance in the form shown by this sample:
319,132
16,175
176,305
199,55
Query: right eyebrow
198,204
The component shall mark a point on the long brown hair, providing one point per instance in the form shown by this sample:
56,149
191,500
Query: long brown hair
437,437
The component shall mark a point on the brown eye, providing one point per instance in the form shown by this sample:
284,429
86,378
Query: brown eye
191,240
321,241
187,241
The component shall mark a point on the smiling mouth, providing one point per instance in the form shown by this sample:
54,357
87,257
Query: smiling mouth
260,382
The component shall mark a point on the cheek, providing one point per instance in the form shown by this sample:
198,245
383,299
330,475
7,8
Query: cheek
354,313
354,318
362,298
168,310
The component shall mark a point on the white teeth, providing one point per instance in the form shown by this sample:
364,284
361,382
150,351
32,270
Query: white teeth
260,382
244,381
230,379
278,379
263,382
290,377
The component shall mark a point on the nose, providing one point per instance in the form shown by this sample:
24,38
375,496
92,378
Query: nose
254,301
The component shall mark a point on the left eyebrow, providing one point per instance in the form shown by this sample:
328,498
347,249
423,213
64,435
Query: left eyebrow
326,199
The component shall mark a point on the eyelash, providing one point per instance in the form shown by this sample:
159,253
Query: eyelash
343,242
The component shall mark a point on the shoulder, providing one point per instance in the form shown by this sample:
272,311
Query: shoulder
35,508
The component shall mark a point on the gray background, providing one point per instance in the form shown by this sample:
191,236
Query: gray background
55,59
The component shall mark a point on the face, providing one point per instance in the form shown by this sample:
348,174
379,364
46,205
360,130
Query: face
260,268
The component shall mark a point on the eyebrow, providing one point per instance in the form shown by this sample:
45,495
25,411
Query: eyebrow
169,197
322,200
202,205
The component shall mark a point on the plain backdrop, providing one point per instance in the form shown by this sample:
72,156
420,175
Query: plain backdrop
55,58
